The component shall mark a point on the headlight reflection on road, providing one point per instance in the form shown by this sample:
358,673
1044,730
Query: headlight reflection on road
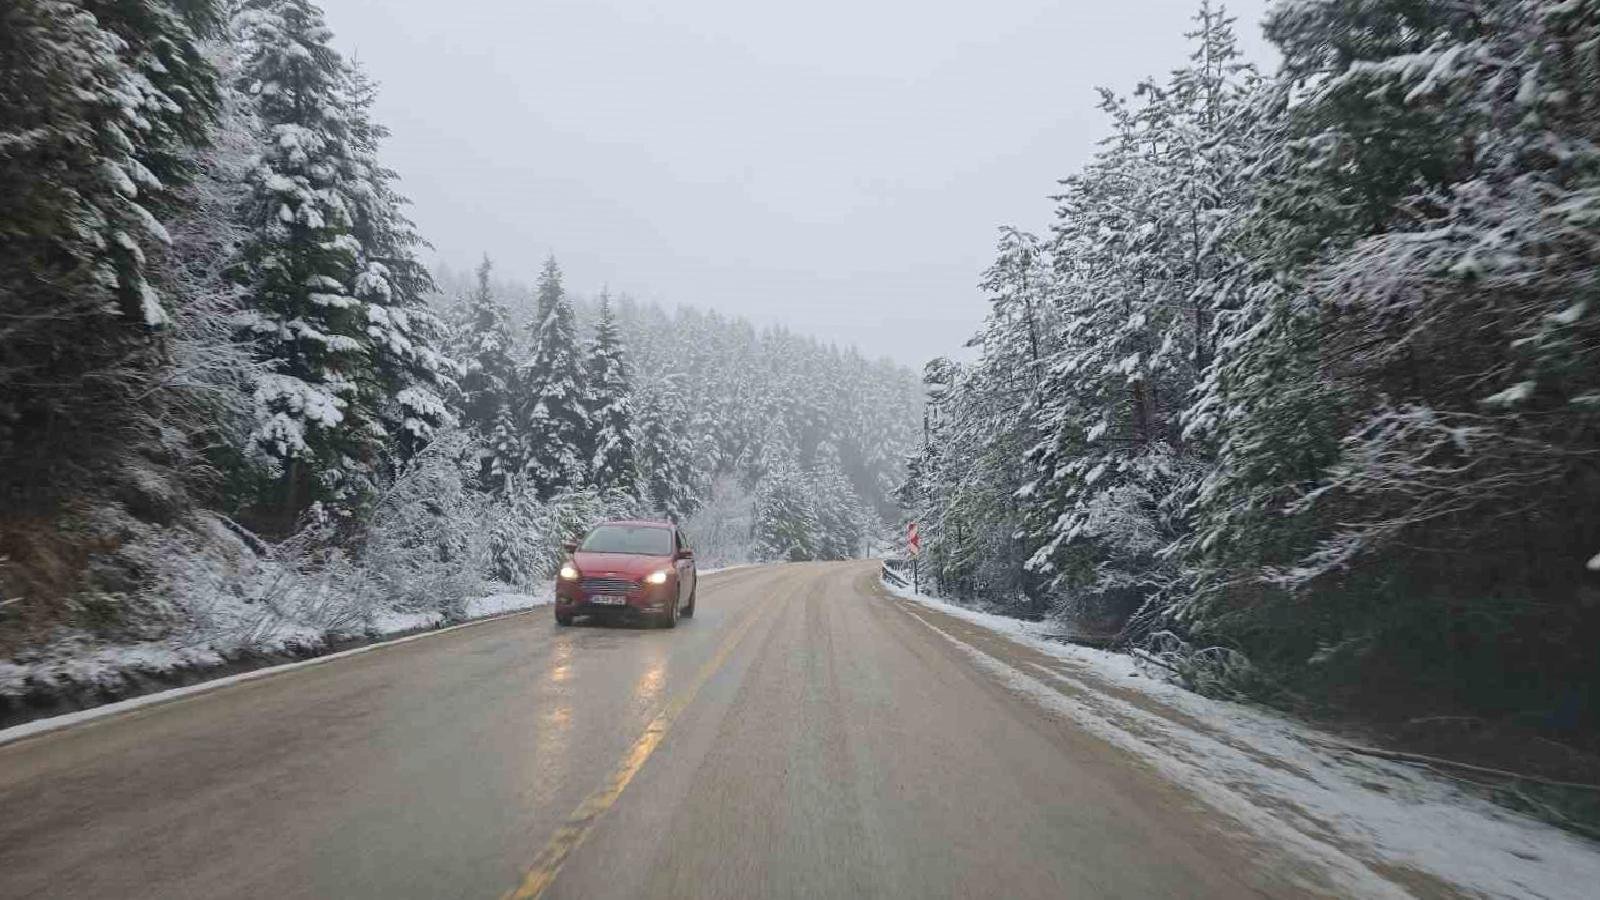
557,719
648,687
561,662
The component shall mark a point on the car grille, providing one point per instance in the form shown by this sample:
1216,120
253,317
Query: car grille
606,585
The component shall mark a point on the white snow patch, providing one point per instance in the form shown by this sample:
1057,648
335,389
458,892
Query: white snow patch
396,621
1277,778
393,621
150,307
730,568
497,604
1511,396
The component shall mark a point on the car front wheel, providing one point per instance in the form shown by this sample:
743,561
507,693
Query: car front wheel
563,618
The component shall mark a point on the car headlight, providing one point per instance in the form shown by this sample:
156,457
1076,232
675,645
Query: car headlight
568,573
657,577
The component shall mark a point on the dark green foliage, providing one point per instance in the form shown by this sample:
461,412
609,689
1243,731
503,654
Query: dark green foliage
550,393
613,458
785,526
358,382
483,343
841,517
1320,377
98,104
413,382
316,428
669,467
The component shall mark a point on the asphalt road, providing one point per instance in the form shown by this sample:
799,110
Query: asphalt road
805,735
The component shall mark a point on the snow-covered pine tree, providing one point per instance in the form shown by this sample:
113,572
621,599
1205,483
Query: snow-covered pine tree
984,420
613,463
1112,388
212,375
924,494
1142,272
551,393
668,456
967,492
506,449
874,422
414,380
483,344
100,103
840,514
785,521
1269,403
1318,378
300,262
1417,362
1261,411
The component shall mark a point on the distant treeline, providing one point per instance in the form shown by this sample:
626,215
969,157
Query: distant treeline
220,353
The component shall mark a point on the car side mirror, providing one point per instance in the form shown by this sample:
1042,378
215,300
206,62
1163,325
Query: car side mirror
686,553
569,546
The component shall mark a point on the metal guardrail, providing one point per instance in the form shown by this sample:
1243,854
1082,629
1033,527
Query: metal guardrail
897,572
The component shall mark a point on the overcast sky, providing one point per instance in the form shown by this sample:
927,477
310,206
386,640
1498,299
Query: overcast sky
840,166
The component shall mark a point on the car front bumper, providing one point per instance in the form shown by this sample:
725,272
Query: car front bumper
650,600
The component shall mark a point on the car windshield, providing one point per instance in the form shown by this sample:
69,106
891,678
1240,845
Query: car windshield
647,540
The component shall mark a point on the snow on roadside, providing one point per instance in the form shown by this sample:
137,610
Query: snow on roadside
498,604
77,662
394,621
1352,815
111,665
504,603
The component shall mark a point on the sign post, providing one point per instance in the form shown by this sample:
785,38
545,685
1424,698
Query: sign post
914,549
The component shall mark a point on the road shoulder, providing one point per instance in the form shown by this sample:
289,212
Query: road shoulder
1372,824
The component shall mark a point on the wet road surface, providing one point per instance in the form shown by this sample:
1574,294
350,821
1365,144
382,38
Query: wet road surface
805,735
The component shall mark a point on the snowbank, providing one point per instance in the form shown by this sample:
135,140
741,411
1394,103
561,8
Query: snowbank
499,604
79,672
1361,820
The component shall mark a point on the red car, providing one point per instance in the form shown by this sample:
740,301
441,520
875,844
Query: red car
628,569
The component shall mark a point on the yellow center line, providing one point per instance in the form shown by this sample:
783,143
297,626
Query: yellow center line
572,833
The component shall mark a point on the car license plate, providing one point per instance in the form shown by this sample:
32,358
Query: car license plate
607,600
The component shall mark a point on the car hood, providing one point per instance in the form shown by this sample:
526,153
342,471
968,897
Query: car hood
624,565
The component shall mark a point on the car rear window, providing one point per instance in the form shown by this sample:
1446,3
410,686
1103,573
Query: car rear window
647,540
